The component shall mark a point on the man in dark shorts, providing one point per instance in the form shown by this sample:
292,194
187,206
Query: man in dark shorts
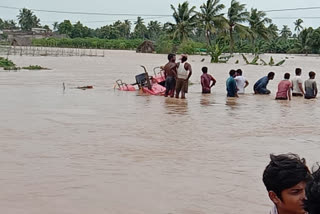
285,178
206,79
170,73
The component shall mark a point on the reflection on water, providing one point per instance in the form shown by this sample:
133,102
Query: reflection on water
231,101
176,106
106,151
206,100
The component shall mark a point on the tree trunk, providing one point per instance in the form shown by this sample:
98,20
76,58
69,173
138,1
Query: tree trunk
231,41
208,39
253,46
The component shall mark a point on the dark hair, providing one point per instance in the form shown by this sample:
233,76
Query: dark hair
204,69
312,74
312,204
239,71
184,58
170,56
232,72
298,71
284,171
286,76
271,75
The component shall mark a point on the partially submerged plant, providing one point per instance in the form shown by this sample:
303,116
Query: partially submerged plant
256,58
215,52
6,63
34,67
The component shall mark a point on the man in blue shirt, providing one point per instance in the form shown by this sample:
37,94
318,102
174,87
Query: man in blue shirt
261,85
232,85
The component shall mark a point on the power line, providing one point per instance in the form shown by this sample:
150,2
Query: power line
296,17
292,9
88,13
156,16
151,15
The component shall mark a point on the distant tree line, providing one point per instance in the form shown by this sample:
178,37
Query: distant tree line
238,30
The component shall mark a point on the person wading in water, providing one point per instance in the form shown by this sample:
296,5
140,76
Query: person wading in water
184,73
170,73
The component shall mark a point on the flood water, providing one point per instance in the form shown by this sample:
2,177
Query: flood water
105,151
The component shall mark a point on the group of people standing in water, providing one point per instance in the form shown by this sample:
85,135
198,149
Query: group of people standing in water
236,84
177,76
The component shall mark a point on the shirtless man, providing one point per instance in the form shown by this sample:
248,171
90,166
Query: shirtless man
170,73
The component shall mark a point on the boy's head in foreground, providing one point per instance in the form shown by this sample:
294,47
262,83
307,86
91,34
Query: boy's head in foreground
285,178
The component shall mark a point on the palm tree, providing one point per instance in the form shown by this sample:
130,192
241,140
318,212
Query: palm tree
305,41
236,15
140,30
185,19
1,24
298,26
257,21
285,32
127,25
211,18
273,31
55,26
28,20
154,29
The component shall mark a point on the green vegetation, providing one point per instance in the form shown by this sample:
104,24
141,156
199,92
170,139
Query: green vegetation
28,20
256,58
120,44
34,67
14,68
239,30
6,63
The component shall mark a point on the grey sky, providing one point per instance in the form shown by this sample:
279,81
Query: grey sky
150,7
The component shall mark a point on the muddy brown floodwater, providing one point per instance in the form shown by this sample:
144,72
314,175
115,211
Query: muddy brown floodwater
105,151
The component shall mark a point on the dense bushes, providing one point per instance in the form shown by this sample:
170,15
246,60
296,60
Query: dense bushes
118,44
191,47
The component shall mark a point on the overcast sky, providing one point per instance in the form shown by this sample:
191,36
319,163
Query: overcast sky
151,7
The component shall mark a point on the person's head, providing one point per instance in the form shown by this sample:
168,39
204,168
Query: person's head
184,58
298,71
312,75
172,57
239,72
232,73
271,75
286,76
285,178
312,204
204,70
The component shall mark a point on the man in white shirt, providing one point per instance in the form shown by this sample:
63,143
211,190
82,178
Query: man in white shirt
241,81
297,84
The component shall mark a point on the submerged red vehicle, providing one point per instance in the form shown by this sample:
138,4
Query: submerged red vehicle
153,85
